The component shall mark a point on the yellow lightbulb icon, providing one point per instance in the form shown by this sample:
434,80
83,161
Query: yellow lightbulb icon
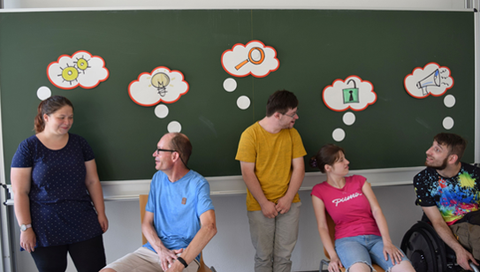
161,81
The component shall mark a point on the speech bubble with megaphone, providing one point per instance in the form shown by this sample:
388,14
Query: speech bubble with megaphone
431,80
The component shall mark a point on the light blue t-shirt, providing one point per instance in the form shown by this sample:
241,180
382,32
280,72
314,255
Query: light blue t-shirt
177,207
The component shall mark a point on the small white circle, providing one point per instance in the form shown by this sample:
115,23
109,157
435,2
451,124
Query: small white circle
43,93
161,111
338,134
230,85
449,101
243,102
448,123
174,126
349,118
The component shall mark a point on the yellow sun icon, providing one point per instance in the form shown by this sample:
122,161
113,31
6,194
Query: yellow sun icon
82,64
69,74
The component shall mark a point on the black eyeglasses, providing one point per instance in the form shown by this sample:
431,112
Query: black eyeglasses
158,150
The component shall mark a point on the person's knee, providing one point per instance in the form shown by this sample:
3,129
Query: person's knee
403,266
360,267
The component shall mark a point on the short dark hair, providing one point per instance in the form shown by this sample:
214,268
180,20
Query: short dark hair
281,101
182,145
454,142
328,154
49,106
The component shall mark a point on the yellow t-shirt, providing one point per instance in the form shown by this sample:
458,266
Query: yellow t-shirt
272,155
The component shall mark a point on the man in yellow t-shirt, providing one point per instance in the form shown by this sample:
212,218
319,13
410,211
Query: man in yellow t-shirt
271,158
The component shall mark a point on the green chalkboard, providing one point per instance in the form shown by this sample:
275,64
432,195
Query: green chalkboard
314,47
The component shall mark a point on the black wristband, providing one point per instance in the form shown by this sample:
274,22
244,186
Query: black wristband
180,259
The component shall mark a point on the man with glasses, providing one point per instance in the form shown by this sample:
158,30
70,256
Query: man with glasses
271,159
179,217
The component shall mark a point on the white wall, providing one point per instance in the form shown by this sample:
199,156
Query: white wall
231,249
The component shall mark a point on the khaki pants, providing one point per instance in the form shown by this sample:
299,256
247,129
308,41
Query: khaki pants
274,239
144,260
468,235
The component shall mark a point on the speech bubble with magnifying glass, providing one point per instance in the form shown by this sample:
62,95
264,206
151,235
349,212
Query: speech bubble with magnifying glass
254,58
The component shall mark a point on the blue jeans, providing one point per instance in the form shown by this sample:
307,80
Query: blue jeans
363,249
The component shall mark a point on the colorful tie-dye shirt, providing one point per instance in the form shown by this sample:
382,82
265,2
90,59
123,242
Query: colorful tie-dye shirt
454,197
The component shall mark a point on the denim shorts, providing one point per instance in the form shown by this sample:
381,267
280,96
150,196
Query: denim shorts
363,249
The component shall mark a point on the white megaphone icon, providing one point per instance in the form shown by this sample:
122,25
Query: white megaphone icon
432,79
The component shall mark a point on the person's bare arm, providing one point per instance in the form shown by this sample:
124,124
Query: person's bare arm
319,208
253,185
463,256
204,235
166,256
298,173
94,188
21,182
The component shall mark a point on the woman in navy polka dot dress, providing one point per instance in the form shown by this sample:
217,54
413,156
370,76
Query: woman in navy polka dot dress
57,193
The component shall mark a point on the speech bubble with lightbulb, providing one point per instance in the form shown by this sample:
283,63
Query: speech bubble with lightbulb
161,85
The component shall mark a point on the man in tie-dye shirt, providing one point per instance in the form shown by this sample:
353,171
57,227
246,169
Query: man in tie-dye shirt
449,193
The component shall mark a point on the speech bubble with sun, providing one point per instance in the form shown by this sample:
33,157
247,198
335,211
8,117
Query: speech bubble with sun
253,58
351,93
431,80
81,69
161,85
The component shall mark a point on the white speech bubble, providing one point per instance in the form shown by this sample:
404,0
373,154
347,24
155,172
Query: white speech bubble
81,69
431,80
353,93
253,58
161,85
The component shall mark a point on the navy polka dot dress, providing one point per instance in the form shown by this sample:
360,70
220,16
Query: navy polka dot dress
61,209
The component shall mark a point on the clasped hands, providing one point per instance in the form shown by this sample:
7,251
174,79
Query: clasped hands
271,210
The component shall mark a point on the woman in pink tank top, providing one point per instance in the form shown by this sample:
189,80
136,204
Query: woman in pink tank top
361,232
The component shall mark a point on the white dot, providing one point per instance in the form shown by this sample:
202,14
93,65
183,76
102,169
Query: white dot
349,118
161,111
230,84
449,101
174,126
448,122
43,93
338,134
243,102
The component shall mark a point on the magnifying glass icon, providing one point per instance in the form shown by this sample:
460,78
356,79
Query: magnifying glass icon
256,55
